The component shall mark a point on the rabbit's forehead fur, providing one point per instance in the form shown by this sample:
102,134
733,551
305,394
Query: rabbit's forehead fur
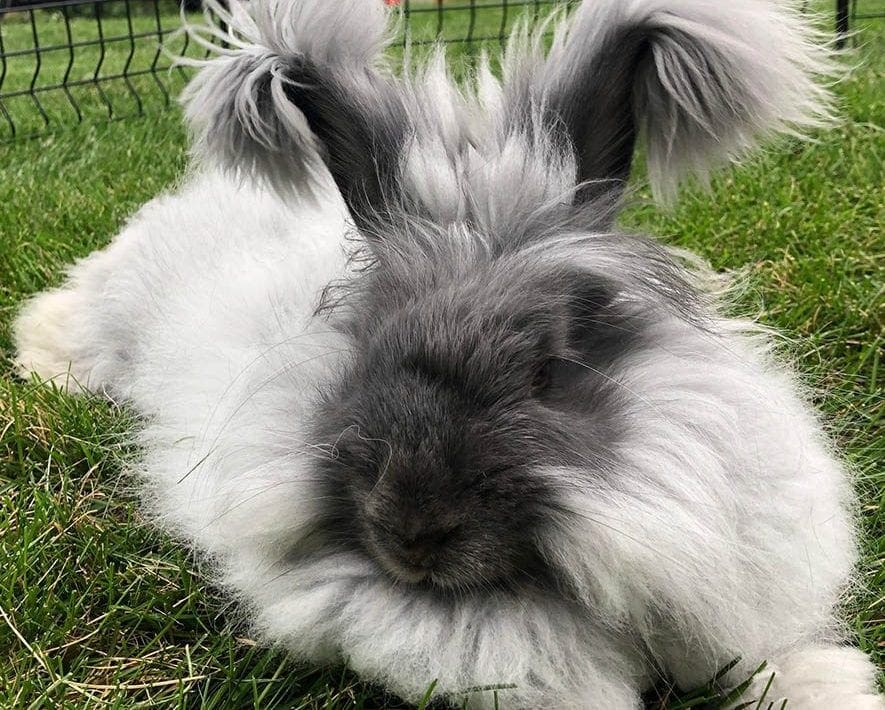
465,277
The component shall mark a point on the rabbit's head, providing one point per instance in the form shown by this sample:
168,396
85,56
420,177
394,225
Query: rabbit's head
499,306
466,378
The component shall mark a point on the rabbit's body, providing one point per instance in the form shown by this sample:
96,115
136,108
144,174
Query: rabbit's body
185,313
735,551
647,493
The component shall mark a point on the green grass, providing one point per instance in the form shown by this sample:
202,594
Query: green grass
98,609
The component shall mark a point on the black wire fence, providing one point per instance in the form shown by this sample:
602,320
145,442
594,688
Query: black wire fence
63,62
848,15
66,61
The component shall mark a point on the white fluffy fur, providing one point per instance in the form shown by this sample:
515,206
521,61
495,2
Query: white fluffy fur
742,549
200,314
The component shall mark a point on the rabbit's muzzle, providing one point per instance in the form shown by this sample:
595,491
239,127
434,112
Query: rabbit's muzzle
424,549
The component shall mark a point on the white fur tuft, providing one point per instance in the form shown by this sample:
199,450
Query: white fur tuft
820,676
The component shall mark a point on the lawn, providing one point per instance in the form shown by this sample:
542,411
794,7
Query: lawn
97,609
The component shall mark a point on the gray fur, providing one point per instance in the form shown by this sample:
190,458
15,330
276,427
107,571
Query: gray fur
228,105
462,383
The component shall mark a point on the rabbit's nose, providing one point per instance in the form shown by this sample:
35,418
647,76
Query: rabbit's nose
420,549
417,555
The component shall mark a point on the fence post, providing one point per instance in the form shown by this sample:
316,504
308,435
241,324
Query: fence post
841,22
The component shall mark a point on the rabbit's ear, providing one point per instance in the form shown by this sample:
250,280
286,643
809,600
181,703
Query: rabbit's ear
702,80
297,84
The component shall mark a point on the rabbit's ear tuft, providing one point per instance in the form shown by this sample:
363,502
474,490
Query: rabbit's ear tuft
702,80
295,85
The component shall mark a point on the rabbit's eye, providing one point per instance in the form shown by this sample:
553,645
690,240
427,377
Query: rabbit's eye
543,377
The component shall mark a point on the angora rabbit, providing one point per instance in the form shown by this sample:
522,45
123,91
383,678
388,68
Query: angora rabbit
511,445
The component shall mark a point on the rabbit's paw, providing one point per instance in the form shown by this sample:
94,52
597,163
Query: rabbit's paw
822,678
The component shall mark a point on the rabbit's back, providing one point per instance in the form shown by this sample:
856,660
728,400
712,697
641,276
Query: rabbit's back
198,278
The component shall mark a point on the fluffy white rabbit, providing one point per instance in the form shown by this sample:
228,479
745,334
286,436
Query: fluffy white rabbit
510,445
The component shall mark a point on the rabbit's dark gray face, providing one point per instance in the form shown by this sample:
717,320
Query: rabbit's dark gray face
462,390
